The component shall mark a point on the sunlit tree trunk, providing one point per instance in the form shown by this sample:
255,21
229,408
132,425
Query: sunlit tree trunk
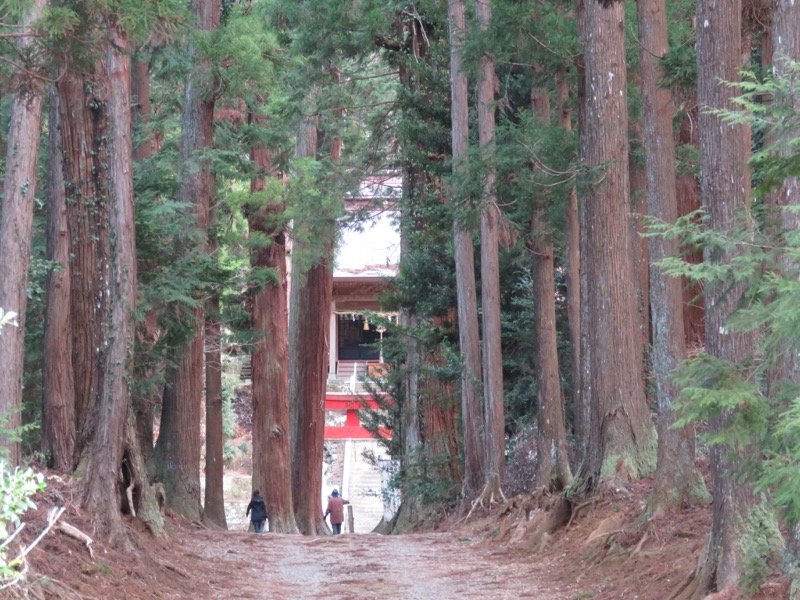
622,439
469,336
678,481
272,452
16,221
176,457
58,393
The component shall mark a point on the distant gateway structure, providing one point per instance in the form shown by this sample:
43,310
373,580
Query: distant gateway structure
365,261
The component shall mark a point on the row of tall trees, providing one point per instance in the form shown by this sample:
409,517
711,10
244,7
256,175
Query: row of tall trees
183,148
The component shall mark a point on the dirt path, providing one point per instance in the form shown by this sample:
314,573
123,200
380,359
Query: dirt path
349,567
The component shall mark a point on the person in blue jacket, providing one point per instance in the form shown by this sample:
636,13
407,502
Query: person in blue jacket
257,509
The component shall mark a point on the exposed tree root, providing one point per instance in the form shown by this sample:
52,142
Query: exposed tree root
491,494
76,533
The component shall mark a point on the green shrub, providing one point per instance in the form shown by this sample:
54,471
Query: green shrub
16,489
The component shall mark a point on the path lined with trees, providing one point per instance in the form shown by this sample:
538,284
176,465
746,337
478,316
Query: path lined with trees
174,180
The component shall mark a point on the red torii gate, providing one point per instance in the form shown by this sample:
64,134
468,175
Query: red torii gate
352,403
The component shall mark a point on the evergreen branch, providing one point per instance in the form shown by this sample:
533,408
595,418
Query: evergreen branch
355,107
549,49
28,72
378,76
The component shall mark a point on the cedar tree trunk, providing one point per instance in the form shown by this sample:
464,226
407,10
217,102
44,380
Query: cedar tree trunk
272,450
83,140
552,464
107,475
622,439
469,340
494,439
176,457
311,298
677,481
573,260
16,222
724,189
58,393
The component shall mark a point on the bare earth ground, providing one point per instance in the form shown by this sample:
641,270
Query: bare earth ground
604,553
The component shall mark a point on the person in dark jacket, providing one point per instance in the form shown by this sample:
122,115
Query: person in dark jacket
257,509
336,511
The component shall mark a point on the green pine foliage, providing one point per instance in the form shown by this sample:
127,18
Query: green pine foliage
759,396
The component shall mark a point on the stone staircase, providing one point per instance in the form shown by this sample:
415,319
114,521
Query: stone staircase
362,484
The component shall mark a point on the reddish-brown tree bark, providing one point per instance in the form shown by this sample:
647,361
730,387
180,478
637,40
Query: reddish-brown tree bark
622,440
311,301
214,498
58,386
493,408
573,260
16,222
272,451
112,467
552,462
469,336
84,144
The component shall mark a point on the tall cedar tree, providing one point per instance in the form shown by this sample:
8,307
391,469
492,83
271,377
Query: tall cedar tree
176,457
469,340
677,481
214,499
414,183
552,462
311,301
572,255
493,409
16,221
145,147
724,188
622,439
114,473
84,140
58,386
272,451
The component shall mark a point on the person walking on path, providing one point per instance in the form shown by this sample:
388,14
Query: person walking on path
336,511
257,509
